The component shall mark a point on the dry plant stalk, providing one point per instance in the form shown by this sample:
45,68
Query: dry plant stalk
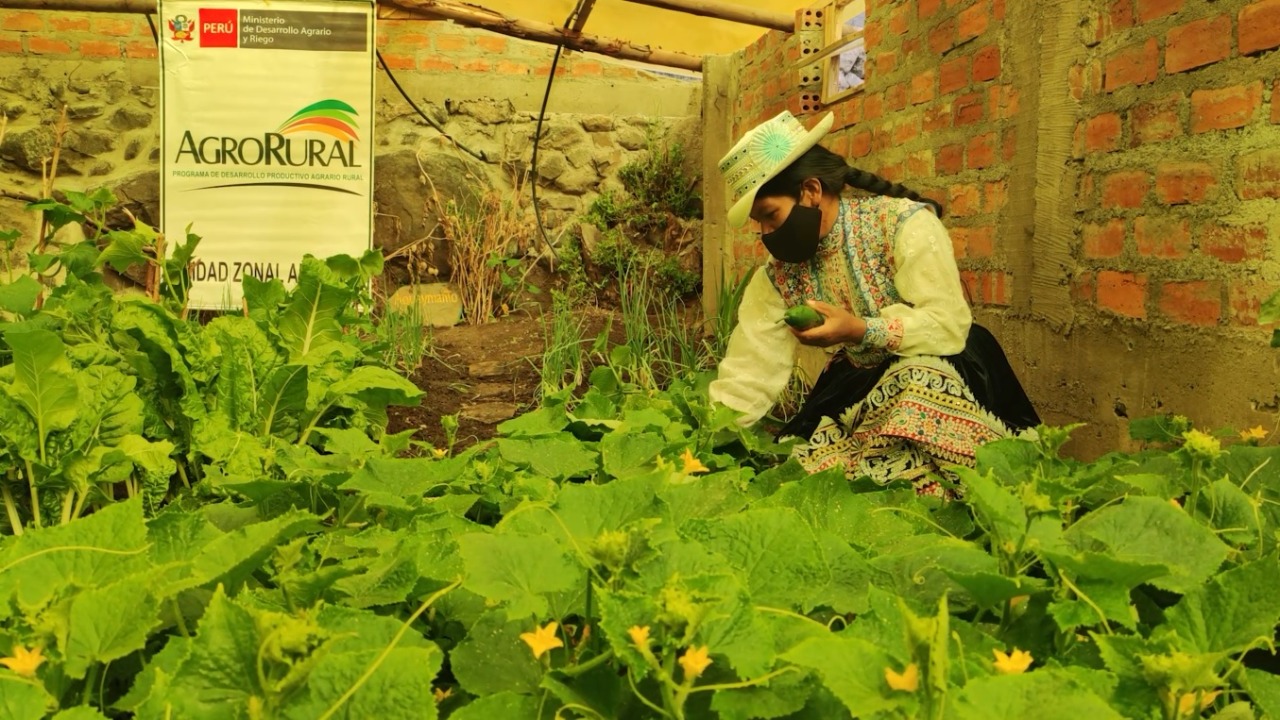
479,234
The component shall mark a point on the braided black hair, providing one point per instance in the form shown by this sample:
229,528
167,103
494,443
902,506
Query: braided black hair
834,173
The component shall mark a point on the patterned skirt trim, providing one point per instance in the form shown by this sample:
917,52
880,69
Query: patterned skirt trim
919,418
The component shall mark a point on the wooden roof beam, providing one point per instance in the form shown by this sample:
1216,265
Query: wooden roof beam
722,10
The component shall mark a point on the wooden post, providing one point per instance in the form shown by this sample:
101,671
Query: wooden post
461,13
485,19
733,12
719,91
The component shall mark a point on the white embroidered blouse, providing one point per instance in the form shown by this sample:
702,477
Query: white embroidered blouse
886,260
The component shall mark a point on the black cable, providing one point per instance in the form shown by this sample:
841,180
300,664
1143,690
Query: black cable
477,155
154,34
537,136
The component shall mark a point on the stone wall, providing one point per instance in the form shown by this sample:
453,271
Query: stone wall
483,90
1110,178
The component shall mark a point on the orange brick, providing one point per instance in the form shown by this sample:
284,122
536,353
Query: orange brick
492,43
1258,175
44,46
1149,10
973,22
68,23
482,66
906,131
873,106
1162,237
1158,120
506,67
1197,44
437,65
929,8
1125,189
1180,183
982,151
950,160
920,164
938,117
1259,26
1118,18
113,26
954,74
970,109
883,63
997,195
1225,108
1103,241
943,37
22,22
1234,243
100,49
587,69
1123,293
964,200
860,144
452,43
10,46
900,20
1198,302
896,97
1102,133
1244,300
398,61
986,64
141,50
922,86
1134,65
980,242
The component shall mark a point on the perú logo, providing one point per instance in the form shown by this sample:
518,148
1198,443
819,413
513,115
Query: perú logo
218,28
183,28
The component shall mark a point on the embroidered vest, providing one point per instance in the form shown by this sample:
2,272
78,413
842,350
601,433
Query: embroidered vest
853,267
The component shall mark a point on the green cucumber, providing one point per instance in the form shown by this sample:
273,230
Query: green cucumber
803,317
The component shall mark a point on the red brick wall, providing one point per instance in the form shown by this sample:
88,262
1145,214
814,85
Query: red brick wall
435,47
1175,144
1179,172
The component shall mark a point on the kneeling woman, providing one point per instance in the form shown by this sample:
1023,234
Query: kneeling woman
910,384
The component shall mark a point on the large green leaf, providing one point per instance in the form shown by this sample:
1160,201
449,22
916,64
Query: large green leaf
774,549
589,509
80,713
851,668
1232,610
627,453
493,659
124,250
377,387
388,482
97,550
782,697
1264,689
19,296
559,457
502,706
248,359
310,320
22,699
518,570
1149,530
43,383
283,398
1001,512
108,623
1044,695
918,568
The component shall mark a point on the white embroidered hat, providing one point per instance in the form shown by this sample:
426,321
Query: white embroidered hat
761,154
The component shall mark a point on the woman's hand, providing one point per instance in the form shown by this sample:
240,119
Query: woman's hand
840,326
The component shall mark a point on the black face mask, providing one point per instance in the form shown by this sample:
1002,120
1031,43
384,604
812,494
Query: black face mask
796,240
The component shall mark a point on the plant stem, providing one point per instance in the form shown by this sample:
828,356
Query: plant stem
89,682
182,473
35,496
588,666
11,508
68,503
80,502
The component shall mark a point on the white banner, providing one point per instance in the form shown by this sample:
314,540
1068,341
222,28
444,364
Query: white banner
266,136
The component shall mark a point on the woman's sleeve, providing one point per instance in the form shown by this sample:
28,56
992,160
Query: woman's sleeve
934,317
761,353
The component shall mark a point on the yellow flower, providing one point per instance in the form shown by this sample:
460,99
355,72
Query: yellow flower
1187,703
1201,444
1257,433
907,681
692,465
439,452
694,661
1174,502
24,661
1013,663
441,695
639,635
542,639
